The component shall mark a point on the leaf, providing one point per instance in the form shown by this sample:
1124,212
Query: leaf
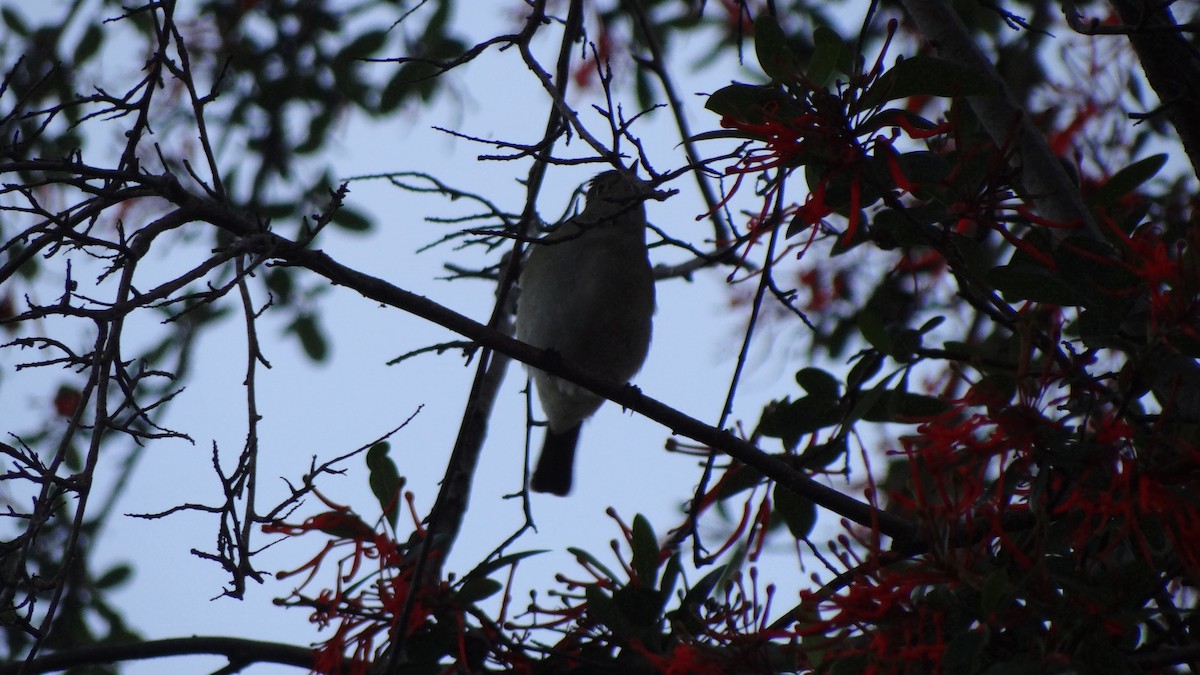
867,401
318,133
788,421
670,576
744,102
363,46
644,89
738,477
599,605
996,592
385,480
924,76
280,282
591,560
1127,180
891,229
645,551
931,324
14,22
996,388
640,607
973,255
904,407
351,219
312,339
894,117
1029,282
115,576
395,91
924,168
1092,267
475,589
820,456
963,652
907,342
487,567
698,593
866,368
827,53
798,513
770,45
870,324
818,383
89,44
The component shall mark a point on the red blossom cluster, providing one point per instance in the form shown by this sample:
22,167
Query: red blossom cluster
373,584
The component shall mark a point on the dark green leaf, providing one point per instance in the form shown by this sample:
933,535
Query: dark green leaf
977,260
924,76
601,609
698,593
672,570
907,342
912,408
744,102
486,568
963,651
591,560
351,219
770,45
115,576
88,45
441,16
279,281
855,664
872,179
891,228
798,513
738,477
395,91
1028,282
818,383
645,551
475,589
1092,267
903,407
870,324
788,421
820,456
277,210
866,368
641,608
318,132
893,118
14,21
1127,180
644,88
996,593
868,400
364,45
995,388
312,339
931,324
1035,247
923,168
827,53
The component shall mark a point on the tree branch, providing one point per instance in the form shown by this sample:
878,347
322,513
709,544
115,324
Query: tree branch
237,650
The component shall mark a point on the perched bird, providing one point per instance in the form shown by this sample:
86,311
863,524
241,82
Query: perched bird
587,293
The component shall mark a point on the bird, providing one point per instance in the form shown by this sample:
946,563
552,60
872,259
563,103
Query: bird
587,294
